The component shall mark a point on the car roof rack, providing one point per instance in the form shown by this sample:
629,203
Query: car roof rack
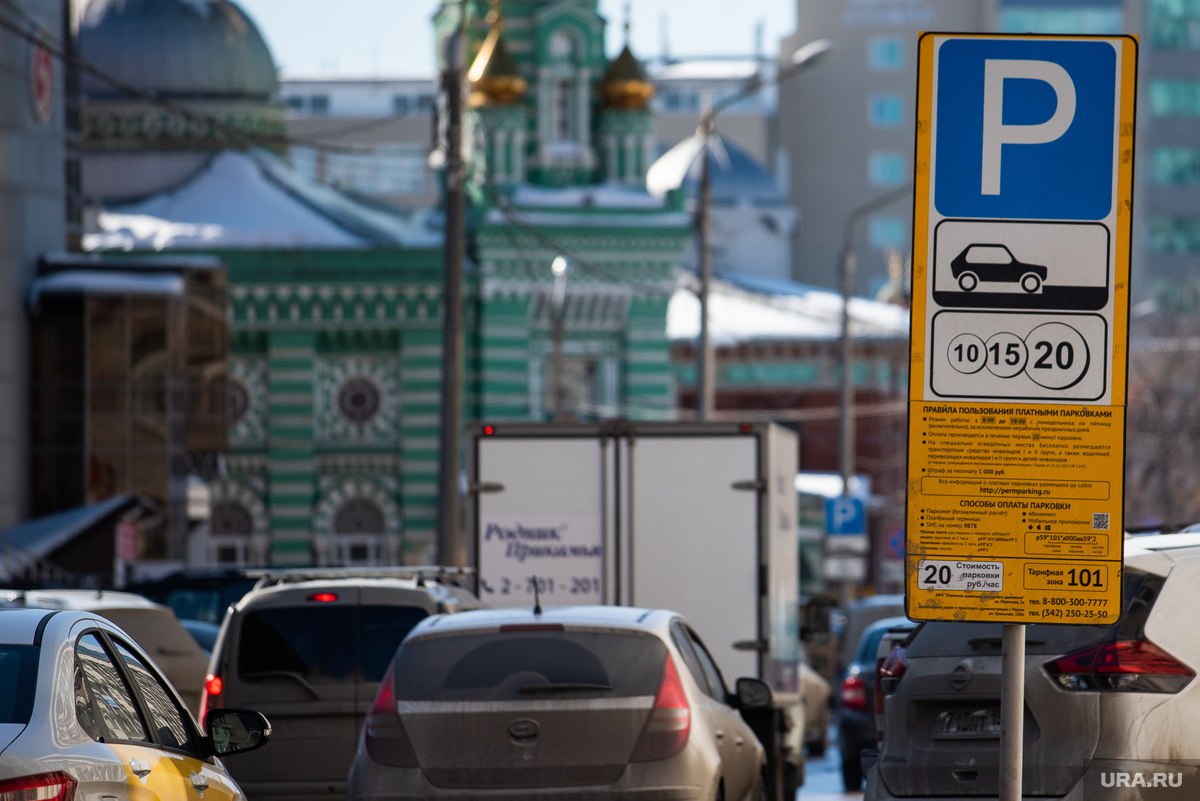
444,574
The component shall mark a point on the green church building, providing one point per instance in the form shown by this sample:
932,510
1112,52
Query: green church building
334,307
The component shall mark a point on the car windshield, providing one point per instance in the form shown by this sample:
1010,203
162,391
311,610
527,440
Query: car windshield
512,665
18,679
324,642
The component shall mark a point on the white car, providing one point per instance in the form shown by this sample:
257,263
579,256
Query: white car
85,714
153,626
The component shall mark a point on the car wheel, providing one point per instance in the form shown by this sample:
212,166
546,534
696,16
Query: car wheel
852,775
1030,282
968,282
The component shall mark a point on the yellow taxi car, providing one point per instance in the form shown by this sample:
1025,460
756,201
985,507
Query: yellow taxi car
84,713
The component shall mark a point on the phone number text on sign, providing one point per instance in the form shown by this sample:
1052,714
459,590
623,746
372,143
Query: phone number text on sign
1019,356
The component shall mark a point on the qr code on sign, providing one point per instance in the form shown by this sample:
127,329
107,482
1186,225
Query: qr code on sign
1100,521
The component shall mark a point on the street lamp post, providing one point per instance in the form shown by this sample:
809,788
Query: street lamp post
669,173
557,310
451,546
847,266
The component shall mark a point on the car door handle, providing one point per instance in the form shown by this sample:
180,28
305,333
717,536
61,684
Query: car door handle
139,768
199,782
739,740
719,734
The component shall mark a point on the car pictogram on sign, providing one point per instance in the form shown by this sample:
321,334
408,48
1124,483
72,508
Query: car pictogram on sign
994,263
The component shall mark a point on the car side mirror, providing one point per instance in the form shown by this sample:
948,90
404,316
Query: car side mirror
234,731
753,694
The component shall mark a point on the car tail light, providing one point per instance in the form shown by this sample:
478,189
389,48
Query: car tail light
887,675
386,740
214,685
670,722
854,692
56,786
1134,666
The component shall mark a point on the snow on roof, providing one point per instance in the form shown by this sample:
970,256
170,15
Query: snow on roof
748,309
703,69
623,206
105,282
829,485
600,196
247,200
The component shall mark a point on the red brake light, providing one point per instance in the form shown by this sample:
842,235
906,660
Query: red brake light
1137,666
56,786
488,430
670,721
384,735
323,597
214,685
854,693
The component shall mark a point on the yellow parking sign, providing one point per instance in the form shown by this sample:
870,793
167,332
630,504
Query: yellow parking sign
1021,242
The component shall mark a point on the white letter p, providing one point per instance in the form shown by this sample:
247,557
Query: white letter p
996,134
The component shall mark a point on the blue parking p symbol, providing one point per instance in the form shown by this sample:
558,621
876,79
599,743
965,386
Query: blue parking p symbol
1025,129
845,515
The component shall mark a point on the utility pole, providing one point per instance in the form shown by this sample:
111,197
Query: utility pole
451,548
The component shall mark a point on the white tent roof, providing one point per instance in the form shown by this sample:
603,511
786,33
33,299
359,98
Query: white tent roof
746,309
253,200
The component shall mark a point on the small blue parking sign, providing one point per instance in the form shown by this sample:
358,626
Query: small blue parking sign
845,515
1025,129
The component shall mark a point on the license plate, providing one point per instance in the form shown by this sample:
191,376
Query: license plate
967,723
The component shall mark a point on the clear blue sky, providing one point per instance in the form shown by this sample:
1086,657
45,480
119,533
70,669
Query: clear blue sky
395,37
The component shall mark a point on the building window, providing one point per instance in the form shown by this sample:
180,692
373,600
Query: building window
319,104
295,102
1178,235
885,111
885,54
358,399
886,169
886,232
1175,98
359,516
401,104
1107,20
1175,166
1174,24
230,517
564,54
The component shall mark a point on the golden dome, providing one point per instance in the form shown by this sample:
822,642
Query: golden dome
495,76
625,85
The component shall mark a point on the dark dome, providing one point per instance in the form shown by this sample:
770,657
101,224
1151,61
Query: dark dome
175,49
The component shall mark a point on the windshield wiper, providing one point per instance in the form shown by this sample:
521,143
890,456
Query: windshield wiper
565,687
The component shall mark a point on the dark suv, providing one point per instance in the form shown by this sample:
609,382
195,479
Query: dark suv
308,649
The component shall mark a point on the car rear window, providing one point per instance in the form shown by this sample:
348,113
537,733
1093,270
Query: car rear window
1139,591
511,665
324,642
18,678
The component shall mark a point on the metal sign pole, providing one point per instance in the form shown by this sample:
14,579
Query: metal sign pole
1012,710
